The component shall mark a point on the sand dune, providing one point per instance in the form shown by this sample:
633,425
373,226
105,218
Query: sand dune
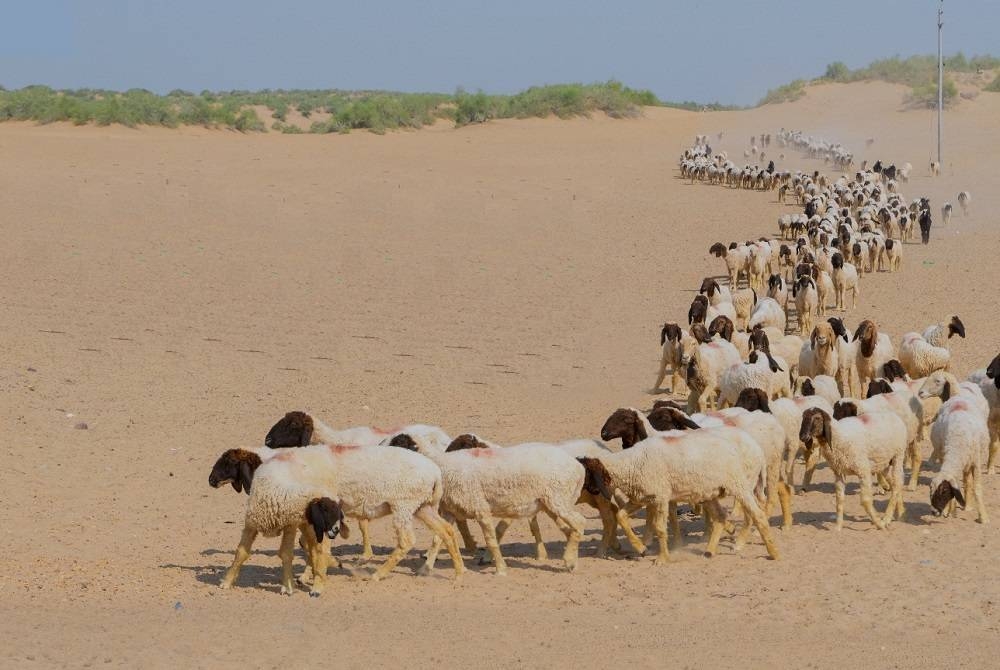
177,290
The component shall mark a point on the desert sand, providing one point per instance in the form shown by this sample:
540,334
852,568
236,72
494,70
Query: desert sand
179,290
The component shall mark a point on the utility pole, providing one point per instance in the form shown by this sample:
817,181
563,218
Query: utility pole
940,23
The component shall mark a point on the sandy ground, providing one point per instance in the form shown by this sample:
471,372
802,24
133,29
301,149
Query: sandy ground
178,290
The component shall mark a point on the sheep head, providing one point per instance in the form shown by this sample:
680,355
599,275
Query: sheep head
718,250
671,418
466,441
236,467
753,399
938,384
956,327
700,333
597,479
624,423
822,336
758,339
670,332
295,429
867,334
993,371
816,424
326,518
698,310
943,493
722,325
807,388
709,286
844,408
878,387
403,441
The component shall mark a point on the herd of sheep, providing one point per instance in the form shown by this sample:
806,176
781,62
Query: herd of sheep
769,378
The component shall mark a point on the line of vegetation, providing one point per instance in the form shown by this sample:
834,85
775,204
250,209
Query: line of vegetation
917,72
327,111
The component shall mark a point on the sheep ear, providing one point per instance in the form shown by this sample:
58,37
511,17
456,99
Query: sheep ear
687,422
827,429
812,338
245,476
306,437
957,492
237,485
946,391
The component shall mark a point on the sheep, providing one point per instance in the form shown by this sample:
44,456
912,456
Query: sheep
300,429
736,258
758,264
819,355
935,168
777,290
758,373
944,385
824,386
962,437
824,289
706,365
788,412
946,210
874,349
904,404
920,358
860,446
696,467
897,381
925,222
806,302
703,312
988,380
939,334
677,347
510,483
964,198
767,313
369,483
764,428
893,254
716,293
845,278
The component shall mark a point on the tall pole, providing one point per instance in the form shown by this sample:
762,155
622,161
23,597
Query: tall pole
940,77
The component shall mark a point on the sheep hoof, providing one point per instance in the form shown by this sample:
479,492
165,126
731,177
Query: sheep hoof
424,570
709,554
501,572
661,560
225,585
314,594
287,590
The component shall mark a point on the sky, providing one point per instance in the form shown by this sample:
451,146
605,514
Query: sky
730,51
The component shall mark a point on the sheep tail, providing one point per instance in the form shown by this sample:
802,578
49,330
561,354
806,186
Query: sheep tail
597,479
760,488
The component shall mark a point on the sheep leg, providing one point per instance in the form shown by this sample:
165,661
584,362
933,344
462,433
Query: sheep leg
307,575
443,532
366,542
540,551
838,486
318,553
492,544
242,553
867,500
977,488
609,538
756,514
717,517
286,552
743,535
812,457
785,500
404,542
467,539
661,375
571,523
675,524
915,461
622,517
994,448
660,528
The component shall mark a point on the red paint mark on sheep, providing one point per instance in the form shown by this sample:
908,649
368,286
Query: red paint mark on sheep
480,452
341,448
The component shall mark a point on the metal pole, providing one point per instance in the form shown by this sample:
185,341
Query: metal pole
940,78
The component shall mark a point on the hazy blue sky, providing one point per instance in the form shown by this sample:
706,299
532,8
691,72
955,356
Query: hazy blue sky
727,50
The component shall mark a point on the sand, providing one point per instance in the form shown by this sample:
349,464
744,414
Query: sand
178,290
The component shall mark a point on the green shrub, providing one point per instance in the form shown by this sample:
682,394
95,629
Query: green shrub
787,93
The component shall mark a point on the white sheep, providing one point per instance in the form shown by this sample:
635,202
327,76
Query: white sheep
806,302
873,351
964,198
300,429
946,210
845,278
940,334
767,313
988,380
944,385
824,386
961,436
735,257
678,346
861,446
758,373
893,254
517,482
704,369
693,467
819,355
369,483
919,357
904,404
